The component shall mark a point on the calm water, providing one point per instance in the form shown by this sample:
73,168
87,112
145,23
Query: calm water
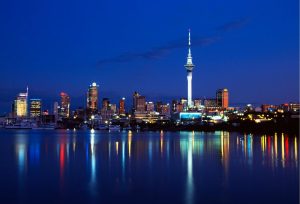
147,167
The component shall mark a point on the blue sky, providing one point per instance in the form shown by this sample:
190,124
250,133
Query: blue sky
250,47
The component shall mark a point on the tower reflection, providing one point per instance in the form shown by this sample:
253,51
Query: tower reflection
186,146
93,181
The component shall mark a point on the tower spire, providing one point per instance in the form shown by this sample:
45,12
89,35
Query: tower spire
189,62
189,68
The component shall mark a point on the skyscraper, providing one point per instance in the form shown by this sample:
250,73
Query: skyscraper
149,107
21,105
35,108
222,98
139,102
56,110
65,105
122,106
189,67
105,103
92,98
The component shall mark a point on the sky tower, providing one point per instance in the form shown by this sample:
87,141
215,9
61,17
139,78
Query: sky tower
189,68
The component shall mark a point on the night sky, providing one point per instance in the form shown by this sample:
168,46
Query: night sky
249,47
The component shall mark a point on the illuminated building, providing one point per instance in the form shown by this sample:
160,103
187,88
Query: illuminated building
45,112
165,109
107,110
139,102
189,67
105,103
92,98
184,103
79,113
158,106
294,107
197,103
174,105
106,114
222,98
21,105
179,107
35,108
190,116
268,108
56,108
113,107
65,105
210,103
122,106
149,107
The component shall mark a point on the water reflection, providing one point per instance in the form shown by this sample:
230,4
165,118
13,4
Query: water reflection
190,181
93,180
125,158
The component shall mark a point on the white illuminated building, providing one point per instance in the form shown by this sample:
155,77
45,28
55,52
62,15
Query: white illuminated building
189,67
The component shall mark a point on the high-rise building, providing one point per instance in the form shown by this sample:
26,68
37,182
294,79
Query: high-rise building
174,105
165,109
35,108
210,103
149,107
197,103
105,103
65,105
179,108
139,102
122,106
92,98
21,105
184,103
222,98
158,106
113,107
56,110
189,67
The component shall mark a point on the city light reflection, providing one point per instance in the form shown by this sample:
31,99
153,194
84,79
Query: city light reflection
93,181
296,150
129,142
282,151
190,179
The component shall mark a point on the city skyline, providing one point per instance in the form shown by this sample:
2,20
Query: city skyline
235,52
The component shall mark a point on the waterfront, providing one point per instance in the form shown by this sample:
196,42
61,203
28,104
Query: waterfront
147,167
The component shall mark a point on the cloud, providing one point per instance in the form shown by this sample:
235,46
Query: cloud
161,51
157,52
233,25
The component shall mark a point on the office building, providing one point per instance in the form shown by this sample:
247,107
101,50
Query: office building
150,107
35,108
122,106
21,105
139,102
92,98
222,98
65,105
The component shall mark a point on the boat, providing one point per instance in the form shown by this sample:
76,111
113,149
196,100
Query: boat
45,127
114,128
19,126
102,127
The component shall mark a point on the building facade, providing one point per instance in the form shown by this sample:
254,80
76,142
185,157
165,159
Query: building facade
21,105
35,108
122,110
222,98
92,98
65,105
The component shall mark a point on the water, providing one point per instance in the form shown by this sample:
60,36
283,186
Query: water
147,167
